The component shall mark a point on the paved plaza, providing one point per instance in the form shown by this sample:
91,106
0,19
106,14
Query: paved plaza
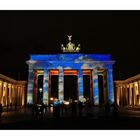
95,118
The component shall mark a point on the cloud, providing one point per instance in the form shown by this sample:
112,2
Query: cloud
85,66
59,67
83,59
45,85
68,68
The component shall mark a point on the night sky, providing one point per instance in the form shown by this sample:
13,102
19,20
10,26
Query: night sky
42,32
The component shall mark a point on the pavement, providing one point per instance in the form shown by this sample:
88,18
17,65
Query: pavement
93,118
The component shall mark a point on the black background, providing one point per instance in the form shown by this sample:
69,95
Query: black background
42,32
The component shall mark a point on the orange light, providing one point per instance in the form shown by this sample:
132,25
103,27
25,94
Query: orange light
86,72
54,72
70,72
51,99
66,102
39,72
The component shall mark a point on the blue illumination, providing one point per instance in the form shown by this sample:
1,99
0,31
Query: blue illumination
71,61
72,57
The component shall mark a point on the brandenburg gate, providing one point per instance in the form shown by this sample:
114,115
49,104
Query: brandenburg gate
70,76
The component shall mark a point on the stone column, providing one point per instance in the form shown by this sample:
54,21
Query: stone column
121,96
95,87
61,85
139,91
110,85
139,86
135,86
10,93
126,95
21,92
118,95
46,87
130,93
1,91
105,86
30,87
4,94
22,96
17,96
13,94
80,84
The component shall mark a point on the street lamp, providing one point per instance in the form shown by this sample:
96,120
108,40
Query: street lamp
40,90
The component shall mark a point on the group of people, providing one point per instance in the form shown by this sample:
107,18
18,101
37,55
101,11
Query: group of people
59,109
37,110
73,108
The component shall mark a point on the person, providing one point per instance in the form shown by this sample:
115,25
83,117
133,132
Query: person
89,109
7,107
62,108
58,110
15,106
55,109
115,110
72,108
80,108
10,106
0,111
42,109
37,111
33,110
107,108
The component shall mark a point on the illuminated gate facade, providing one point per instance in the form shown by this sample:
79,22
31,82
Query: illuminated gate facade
92,74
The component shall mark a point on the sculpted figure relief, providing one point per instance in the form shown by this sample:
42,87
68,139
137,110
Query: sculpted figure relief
70,47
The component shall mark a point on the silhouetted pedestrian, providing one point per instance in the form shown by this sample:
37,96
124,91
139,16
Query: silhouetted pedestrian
89,109
58,110
10,106
33,110
115,111
107,108
80,108
42,108
7,107
61,108
15,106
73,108
55,109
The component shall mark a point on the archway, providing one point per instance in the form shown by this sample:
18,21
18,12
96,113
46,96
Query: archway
53,84
87,85
38,86
102,86
70,85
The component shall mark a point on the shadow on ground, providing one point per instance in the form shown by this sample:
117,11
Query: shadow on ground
79,123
